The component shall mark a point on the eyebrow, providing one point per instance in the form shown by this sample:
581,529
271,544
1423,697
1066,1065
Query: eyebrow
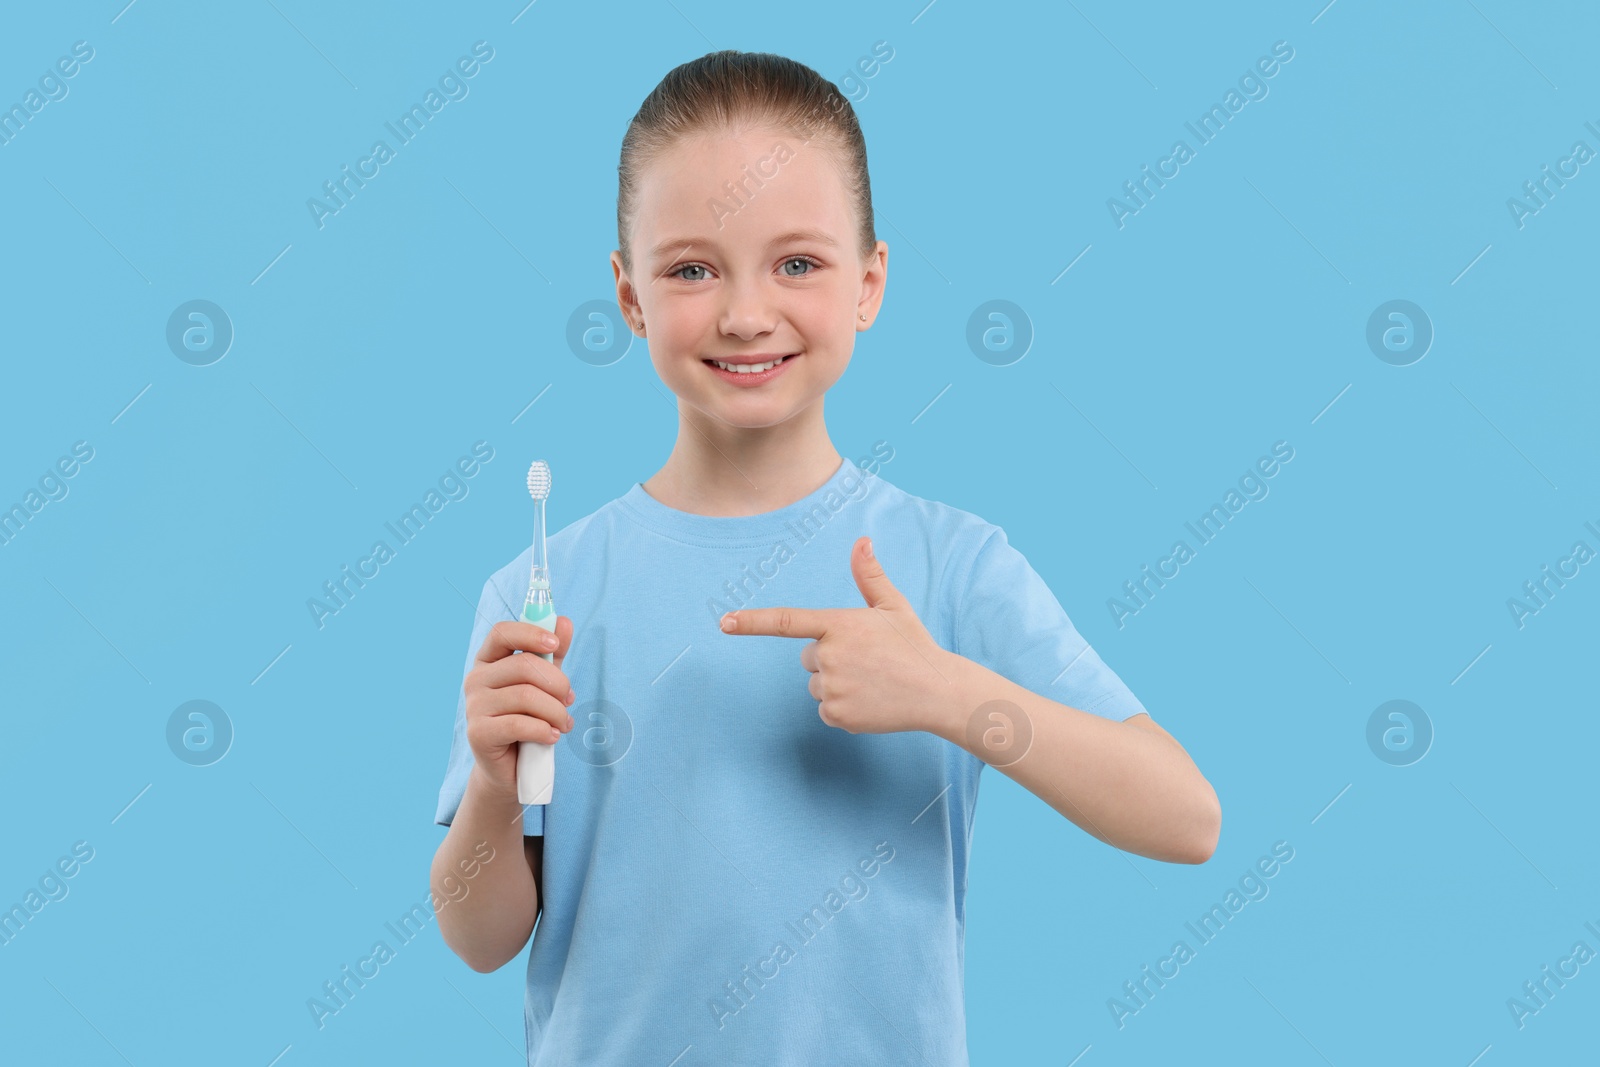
678,245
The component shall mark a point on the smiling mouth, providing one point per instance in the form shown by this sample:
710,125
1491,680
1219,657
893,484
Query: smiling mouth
748,368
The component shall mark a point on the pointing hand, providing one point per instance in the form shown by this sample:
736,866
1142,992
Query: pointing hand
875,669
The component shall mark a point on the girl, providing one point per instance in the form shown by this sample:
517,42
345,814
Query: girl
756,850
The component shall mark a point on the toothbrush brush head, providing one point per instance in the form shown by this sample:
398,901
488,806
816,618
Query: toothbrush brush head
539,480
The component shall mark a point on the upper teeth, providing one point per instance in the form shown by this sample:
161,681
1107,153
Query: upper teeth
748,368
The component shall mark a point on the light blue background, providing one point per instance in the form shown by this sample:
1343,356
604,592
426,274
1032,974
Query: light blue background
1226,315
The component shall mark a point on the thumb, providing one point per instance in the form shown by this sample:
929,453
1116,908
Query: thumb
563,634
876,588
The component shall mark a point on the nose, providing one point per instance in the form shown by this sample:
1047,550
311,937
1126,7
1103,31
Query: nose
747,312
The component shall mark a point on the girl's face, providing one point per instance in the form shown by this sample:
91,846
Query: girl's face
766,269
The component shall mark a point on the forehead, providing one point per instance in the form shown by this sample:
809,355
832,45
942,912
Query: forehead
740,189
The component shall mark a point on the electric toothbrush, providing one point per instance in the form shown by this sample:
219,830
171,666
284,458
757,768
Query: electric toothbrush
536,763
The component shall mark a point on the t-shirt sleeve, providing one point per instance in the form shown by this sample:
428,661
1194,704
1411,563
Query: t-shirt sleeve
1007,619
492,608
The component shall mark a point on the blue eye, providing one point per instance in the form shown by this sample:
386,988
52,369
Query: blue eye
678,272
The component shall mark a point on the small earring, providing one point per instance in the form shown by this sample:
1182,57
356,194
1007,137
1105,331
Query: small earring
863,318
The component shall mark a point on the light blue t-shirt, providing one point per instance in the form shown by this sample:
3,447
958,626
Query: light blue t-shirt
727,879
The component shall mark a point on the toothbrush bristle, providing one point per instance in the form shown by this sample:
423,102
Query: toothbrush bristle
539,480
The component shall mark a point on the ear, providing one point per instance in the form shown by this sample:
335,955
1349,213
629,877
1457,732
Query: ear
627,295
873,280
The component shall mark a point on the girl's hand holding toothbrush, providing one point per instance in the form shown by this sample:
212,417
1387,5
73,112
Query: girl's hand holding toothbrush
875,669
513,698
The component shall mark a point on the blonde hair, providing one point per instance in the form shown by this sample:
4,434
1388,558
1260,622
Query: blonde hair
722,91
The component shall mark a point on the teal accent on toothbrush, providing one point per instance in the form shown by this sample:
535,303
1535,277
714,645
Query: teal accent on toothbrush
536,763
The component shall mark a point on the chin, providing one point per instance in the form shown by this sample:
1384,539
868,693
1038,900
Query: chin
752,413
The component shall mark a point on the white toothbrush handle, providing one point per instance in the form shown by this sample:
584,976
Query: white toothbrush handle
536,762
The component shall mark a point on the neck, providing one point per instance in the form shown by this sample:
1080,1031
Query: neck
721,470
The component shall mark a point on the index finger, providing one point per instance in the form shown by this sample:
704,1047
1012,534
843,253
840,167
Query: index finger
509,635
778,622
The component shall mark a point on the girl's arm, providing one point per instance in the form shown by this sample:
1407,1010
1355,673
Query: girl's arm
489,925
877,670
1130,783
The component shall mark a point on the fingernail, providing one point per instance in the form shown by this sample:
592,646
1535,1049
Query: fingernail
548,640
869,548
555,735
572,698
570,722
729,622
